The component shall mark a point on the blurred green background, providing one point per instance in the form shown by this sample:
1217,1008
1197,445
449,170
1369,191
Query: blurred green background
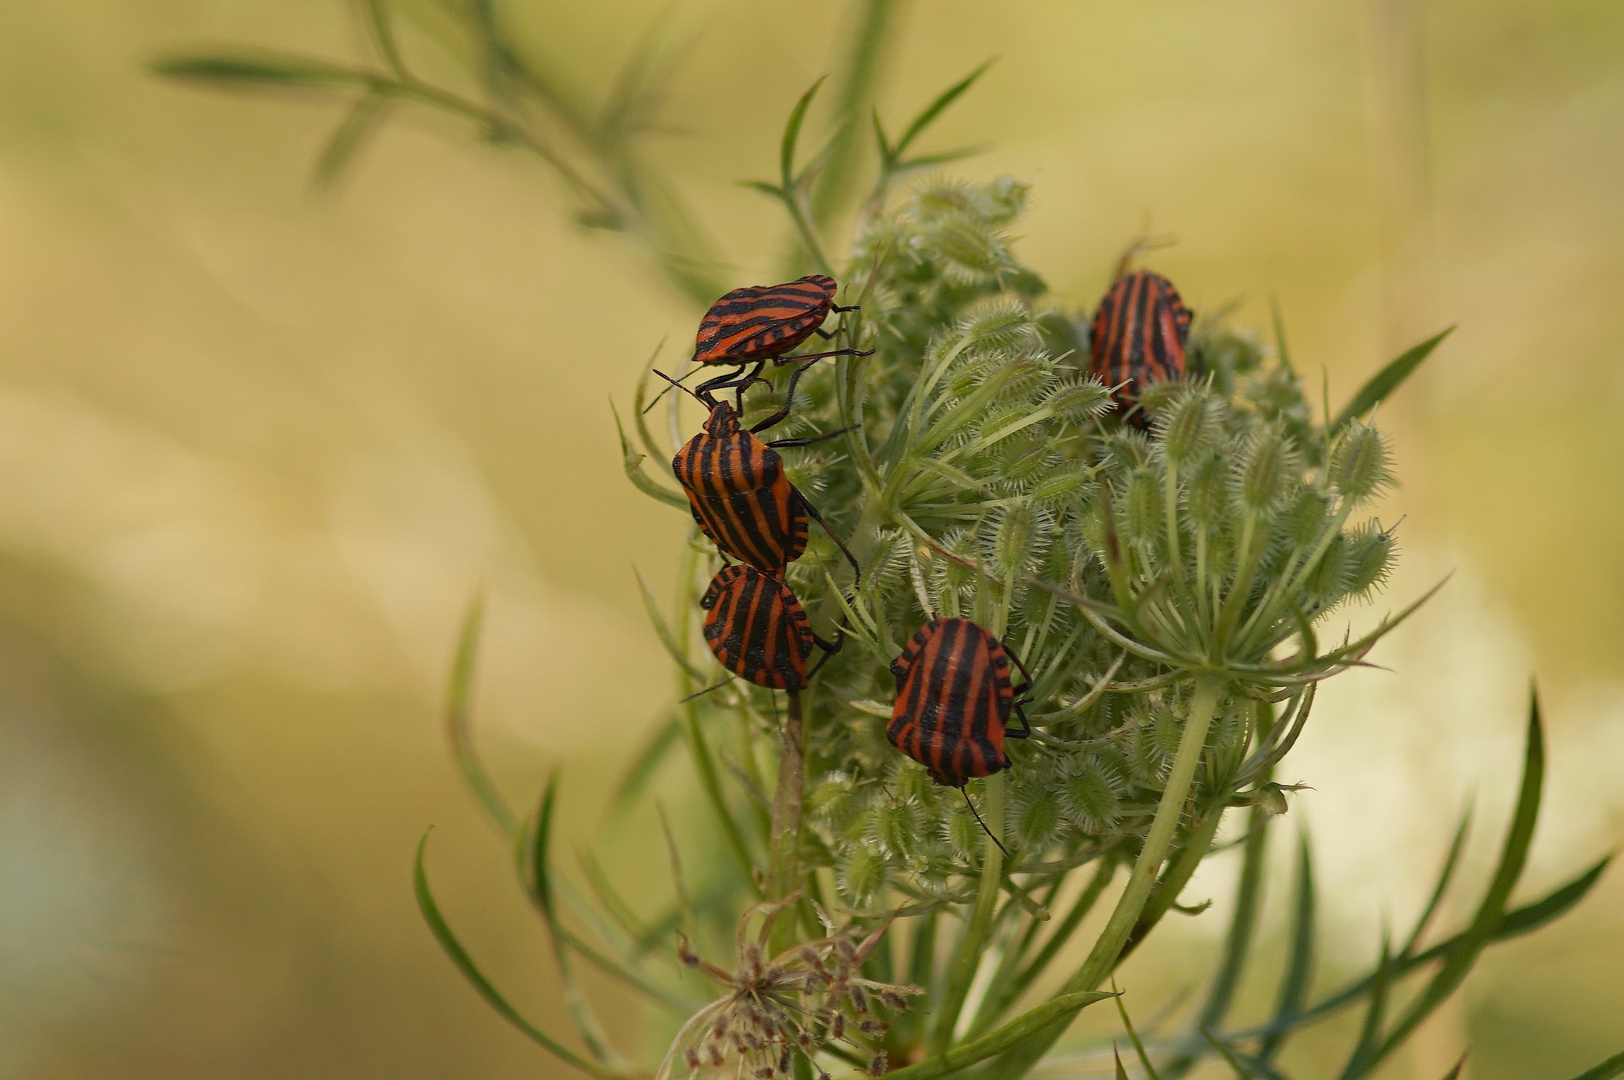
257,449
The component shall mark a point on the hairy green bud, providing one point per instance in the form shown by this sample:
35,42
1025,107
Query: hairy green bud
1090,794
1267,466
1142,509
1185,427
1079,402
1360,464
1206,492
862,874
1371,560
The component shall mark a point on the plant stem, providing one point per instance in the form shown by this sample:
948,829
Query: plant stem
1103,957
975,934
783,857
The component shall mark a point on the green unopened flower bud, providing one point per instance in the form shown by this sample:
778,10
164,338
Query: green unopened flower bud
1267,465
1371,561
1142,509
1026,464
1185,428
971,248
862,875
1359,464
1002,200
1304,519
1062,485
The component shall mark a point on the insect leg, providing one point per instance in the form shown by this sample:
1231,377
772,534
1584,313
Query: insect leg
850,307
789,396
983,824
829,649
812,512
707,690
1026,725
808,441
822,355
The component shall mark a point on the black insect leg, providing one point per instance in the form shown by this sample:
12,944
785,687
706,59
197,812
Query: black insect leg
812,512
823,355
789,397
707,690
983,824
829,649
781,444
1026,725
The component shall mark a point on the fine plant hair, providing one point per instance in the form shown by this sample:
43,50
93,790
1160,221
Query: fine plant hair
1172,590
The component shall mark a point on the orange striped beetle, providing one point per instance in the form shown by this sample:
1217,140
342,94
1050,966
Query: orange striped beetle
757,629
759,323
1137,336
738,492
954,700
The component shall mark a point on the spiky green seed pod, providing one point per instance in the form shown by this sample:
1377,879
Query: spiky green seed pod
1372,561
1034,818
1142,509
1090,794
1019,531
1206,493
1001,323
1304,519
1063,484
961,832
1333,573
1079,402
861,875
1360,466
1267,466
1185,428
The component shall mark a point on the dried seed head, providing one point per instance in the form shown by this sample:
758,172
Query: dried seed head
877,1066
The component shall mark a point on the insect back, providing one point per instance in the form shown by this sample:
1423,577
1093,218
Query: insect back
738,492
1137,337
953,702
758,323
758,630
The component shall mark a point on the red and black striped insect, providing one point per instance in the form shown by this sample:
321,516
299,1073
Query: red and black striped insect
758,630
739,494
759,323
953,702
1138,337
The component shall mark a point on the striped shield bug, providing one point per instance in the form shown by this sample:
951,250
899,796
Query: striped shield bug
1137,337
739,494
759,323
953,702
757,629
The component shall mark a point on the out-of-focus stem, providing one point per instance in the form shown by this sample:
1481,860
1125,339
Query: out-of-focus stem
783,856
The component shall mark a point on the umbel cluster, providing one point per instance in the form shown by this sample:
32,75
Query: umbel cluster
954,693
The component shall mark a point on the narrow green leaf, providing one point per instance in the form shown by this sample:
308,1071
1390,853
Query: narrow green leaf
1553,905
1121,1073
947,97
643,767
772,191
1613,1066
884,147
364,118
663,631
1385,381
483,986
1300,960
931,161
792,135
1280,335
1451,862
268,71
1363,1056
632,461
999,1040
458,729
1133,1036
1454,1074
1513,855
381,29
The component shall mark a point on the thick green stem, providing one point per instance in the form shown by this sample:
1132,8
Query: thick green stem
784,855
1103,957
975,934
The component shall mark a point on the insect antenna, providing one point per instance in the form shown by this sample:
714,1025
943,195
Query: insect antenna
966,793
674,382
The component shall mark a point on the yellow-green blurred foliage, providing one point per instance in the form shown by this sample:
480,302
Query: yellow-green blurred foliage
258,448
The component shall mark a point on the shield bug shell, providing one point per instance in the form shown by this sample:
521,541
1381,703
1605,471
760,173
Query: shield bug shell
758,630
1137,336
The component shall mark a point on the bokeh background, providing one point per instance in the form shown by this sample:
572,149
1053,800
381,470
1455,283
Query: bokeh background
257,449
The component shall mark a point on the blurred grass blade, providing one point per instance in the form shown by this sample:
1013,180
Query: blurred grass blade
1227,1054
996,1042
1300,960
1513,855
643,767
930,112
364,118
541,891
1280,335
380,26
1551,905
1613,1066
1242,923
613,904
267,71
1133,1036
1454,1074
792,135
632,461
458,715
1363,1056
663,631
465,964
1121,1073
1451,863
1385,381
684,907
